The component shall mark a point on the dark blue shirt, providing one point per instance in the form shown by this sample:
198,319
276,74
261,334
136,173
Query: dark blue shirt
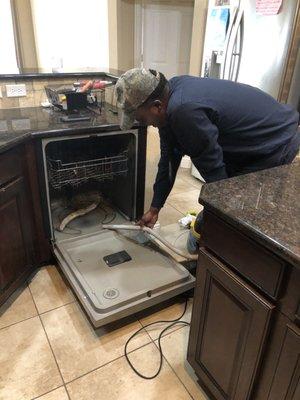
225,127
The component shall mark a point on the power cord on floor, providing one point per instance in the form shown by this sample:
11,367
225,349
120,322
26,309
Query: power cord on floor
173,322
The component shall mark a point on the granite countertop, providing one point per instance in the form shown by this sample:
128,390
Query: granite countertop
265,205
21,124
36,73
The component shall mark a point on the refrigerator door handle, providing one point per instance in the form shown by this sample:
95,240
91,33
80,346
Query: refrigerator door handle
239,54
227,41
234,53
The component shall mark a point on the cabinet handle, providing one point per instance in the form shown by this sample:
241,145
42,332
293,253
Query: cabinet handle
7,185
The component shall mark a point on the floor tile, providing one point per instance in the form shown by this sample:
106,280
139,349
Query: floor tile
49,289
174,348
116,381
169,215
18,307
185,202
79,348
171,312
185,174
57,394
181,185
27,365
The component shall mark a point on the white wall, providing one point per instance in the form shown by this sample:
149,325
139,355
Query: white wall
8,61
74,30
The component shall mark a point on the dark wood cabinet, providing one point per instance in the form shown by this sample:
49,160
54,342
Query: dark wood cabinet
286,381
245,339
23,245
229,327
16,245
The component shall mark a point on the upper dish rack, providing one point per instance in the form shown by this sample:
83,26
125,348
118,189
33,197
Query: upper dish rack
62,174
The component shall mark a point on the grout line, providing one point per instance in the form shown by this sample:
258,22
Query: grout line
109,362
142,326
164,357
68,394
56,308
194,184
166,333
155,341
172,369
192,188
44,394
38,313
170,205
196,205
181,212
50,346
18,322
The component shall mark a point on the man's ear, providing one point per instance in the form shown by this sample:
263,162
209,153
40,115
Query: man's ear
157,104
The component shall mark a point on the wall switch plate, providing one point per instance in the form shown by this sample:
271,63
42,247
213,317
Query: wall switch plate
16,90
1,93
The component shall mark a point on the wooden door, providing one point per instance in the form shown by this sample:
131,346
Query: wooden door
286,382
166,35
228,330
16,247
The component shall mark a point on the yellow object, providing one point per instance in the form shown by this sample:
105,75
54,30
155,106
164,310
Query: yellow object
192,212
193,232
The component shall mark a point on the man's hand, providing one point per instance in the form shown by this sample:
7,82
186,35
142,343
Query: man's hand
149,218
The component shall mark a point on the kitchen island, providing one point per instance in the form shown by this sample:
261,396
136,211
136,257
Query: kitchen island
245,337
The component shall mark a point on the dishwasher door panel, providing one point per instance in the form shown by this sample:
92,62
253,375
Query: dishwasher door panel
110,293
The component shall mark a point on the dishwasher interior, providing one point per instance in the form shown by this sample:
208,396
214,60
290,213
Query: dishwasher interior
91,181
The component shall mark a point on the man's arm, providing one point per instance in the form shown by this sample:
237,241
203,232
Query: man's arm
198,137
166,174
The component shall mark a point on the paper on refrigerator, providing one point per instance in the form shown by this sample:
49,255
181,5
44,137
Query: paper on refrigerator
268,7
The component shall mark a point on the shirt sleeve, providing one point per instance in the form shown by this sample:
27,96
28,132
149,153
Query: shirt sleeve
197,135
166,174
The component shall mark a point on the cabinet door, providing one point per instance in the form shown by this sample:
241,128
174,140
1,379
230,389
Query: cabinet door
228,330
286,382
15,233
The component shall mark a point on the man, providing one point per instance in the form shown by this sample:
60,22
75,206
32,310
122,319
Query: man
226,128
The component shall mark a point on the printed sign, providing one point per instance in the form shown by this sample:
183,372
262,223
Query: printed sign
268,7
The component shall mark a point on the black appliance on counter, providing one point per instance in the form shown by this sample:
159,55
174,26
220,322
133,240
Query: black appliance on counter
75,106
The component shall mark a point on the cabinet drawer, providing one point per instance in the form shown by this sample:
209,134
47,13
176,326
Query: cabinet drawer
10,166
250,259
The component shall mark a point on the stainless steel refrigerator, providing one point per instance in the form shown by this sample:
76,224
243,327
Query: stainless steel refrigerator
260,50
244,46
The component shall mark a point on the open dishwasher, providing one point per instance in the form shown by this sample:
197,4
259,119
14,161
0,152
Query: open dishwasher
114,274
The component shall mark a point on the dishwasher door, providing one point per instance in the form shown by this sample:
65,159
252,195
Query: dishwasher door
109,293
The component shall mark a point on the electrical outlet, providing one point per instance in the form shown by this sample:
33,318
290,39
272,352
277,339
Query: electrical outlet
16,90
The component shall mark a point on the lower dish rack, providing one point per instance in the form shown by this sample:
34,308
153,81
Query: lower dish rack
62,174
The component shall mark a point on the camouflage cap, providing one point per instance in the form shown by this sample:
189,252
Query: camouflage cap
132,89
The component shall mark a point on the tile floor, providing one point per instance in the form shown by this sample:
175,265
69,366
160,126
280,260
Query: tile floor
49,350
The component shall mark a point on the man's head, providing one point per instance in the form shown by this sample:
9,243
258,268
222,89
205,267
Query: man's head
142,95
